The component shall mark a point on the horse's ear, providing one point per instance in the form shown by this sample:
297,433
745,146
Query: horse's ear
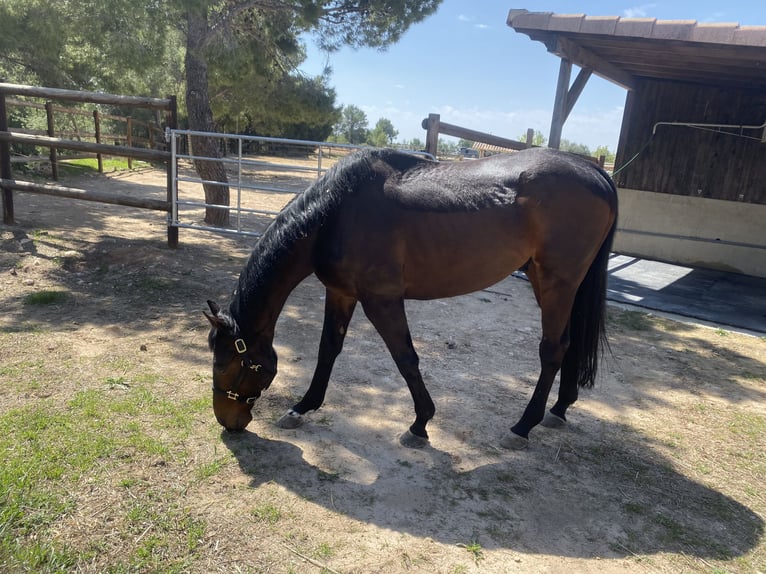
215,321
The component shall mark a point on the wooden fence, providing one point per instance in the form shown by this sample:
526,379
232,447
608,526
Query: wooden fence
434,126
8,184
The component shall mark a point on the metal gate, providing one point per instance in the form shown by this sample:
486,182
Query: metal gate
263,174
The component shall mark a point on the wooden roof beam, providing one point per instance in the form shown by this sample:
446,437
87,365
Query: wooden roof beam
567,49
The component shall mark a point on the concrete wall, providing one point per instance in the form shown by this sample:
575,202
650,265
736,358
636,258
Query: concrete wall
693,231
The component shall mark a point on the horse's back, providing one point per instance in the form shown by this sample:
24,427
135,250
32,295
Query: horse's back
442,229
495,181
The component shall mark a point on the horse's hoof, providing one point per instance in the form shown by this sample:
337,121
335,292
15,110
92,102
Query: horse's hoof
411,440
513,441
552,421
290,420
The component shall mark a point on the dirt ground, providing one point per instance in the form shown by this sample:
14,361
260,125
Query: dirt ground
661,468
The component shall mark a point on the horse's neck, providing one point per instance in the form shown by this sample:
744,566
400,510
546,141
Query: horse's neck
259,307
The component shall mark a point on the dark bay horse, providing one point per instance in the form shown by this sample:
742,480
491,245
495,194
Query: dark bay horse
383,226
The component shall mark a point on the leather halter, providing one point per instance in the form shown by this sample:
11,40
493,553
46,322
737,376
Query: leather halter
247,365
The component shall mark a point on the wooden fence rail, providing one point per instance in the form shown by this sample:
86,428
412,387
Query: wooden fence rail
154,135
8,184
434,126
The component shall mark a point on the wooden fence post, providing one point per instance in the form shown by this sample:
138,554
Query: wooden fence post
52,134
97,126
5,164
129,140
530,137
432,134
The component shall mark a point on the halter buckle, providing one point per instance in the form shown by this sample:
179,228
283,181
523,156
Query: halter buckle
239,345
232,395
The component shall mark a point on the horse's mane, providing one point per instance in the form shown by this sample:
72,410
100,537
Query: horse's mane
306,213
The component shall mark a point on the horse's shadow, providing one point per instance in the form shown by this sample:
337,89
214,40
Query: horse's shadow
558,505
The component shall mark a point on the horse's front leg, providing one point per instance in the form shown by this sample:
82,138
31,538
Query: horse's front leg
337,315
389,319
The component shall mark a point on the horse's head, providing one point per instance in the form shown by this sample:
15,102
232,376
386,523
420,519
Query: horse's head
241,370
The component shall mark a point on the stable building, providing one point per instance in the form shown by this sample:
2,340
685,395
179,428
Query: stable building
691,158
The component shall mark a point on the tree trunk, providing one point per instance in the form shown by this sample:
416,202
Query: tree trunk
201,119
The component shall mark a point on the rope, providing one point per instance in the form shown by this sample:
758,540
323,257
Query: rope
631,160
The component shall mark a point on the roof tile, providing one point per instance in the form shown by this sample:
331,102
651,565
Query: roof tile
674,29
639,27
566,22
750,36
599,25
716,33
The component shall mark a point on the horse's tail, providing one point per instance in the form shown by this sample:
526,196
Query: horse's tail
587,325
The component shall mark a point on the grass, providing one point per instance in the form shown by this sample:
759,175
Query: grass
46,297
90,165
475,550
49,449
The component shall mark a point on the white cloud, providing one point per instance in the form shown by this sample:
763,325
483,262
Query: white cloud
464,18
640,11
482,26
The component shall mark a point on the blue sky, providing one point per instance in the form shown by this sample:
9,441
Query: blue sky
467,65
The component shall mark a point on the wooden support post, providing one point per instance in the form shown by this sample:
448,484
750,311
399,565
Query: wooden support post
5,165
52,134
560,104
97,126
432,134
530,137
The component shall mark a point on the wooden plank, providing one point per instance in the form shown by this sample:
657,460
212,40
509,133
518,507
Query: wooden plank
78,96
560,104
576,89
476,136
566,48
83,194
137,153
709,162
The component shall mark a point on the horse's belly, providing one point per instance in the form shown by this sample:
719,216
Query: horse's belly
453,256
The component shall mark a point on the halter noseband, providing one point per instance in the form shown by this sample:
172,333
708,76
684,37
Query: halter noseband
247,364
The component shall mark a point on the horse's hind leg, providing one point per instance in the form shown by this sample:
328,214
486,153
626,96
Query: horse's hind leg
388,317
337,315
568,393
556,298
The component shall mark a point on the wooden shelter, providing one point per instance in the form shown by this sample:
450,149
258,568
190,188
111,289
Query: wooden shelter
691,158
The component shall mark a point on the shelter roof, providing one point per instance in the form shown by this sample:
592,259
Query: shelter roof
623,50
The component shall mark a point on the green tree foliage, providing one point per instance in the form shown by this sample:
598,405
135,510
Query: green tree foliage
573,147
352,127
538,140
109,46
604,150
383,134
236,57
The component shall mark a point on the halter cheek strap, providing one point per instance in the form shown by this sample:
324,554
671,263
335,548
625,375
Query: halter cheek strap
241,347
247,365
